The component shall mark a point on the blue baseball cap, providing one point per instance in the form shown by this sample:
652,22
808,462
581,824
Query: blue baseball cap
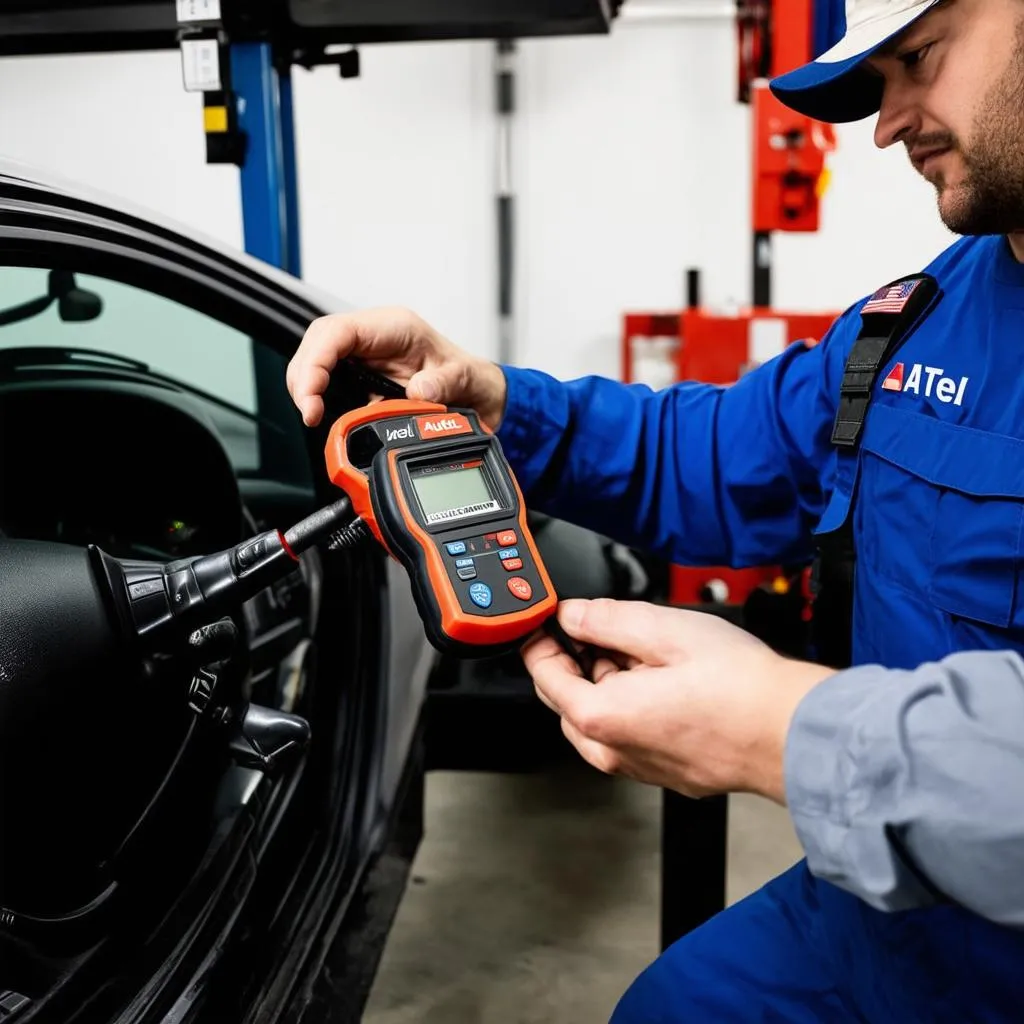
837,86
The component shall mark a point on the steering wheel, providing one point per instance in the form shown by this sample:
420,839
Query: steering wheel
96,654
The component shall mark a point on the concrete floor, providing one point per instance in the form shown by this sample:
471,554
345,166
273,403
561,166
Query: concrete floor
534,898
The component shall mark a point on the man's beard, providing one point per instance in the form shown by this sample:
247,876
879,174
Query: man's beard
990,200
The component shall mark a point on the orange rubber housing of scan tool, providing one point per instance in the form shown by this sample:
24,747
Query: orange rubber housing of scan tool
462,626
340,470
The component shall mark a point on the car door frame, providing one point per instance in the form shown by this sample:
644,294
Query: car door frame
45,229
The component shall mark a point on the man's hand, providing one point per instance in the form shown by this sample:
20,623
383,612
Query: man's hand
405,348
682,700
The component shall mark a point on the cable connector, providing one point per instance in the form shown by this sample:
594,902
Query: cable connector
349,537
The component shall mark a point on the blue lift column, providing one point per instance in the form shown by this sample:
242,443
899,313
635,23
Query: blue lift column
270,199
262,93
248,121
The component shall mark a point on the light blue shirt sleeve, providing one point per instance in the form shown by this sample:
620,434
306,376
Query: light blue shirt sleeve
906,788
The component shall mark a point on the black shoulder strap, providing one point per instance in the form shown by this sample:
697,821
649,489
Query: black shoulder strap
886,320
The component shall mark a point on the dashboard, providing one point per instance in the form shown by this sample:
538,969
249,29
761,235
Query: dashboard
115,466
140,472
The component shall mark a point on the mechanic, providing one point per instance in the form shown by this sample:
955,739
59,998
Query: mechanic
932,499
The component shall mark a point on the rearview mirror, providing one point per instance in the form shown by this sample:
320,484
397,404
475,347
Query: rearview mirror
74,304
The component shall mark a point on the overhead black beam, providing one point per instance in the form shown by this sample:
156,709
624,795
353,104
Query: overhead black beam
35,27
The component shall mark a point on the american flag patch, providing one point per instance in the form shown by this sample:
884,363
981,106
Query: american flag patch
891,299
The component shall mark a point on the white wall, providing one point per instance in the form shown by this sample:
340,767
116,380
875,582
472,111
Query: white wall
396,183
122,123
394,167
631,164
635,164
633,168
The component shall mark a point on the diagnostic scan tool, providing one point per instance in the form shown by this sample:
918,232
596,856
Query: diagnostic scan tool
434,487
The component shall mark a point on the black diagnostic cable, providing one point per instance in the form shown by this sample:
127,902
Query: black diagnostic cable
187,593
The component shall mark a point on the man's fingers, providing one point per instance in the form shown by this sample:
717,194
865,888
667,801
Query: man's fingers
543,653
309,394
559,684
312,410
603,668
637,629
597,754
382,337
326,341
448,383
427,386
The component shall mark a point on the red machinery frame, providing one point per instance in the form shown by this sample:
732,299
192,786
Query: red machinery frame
788,179
788,149
719,349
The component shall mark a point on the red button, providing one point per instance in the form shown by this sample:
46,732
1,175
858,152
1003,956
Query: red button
520,588
507,537
513,563
490,536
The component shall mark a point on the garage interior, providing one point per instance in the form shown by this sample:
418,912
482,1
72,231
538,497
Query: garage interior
589,193
535,898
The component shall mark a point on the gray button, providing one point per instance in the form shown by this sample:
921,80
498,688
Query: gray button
141,589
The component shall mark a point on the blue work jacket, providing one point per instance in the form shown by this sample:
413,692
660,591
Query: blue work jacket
747,474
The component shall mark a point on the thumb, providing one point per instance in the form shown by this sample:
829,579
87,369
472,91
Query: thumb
637,628
449,383
430,386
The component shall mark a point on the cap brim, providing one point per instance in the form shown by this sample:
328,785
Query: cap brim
837,86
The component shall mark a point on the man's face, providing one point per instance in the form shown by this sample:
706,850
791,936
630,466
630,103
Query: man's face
954,96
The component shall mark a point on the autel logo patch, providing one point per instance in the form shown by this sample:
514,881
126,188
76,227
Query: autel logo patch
442,426
945,389
400,433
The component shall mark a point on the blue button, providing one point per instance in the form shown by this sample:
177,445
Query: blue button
457,547
461,563
480,594
508,553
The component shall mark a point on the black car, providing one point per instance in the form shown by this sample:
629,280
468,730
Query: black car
216,830
171,849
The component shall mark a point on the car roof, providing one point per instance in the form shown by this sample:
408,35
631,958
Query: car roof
65,191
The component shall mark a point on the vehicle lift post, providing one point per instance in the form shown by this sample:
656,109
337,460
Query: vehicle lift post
248,117
249,121
267,176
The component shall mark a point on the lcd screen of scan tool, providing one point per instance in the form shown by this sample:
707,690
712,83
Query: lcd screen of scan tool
453,492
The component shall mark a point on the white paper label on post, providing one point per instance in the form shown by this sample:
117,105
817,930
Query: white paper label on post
198,10
200,65
765,339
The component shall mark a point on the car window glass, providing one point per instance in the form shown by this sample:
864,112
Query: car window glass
117,319
167,336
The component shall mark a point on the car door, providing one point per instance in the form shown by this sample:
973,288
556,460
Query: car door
227,324
224,328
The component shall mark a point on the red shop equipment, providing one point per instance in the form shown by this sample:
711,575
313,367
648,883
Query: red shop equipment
788,180
718,348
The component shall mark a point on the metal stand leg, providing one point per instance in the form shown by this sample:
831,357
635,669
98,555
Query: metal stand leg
268,174
762,268
693,862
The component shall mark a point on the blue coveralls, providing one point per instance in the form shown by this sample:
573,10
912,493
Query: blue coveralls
747,475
